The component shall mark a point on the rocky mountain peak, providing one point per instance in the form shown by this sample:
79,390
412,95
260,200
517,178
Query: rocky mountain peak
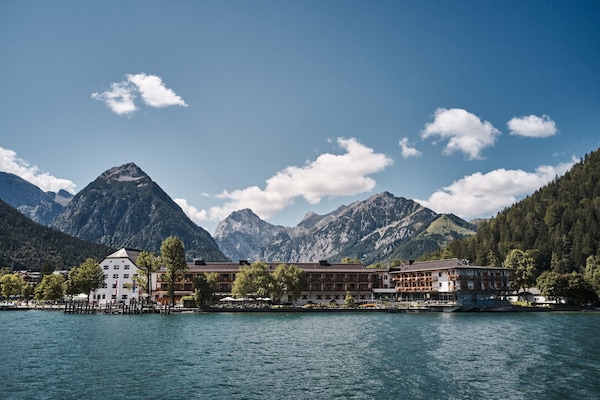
124,173
377,229
123,207
29,199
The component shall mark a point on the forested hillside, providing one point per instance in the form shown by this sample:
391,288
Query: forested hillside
27,244
559,224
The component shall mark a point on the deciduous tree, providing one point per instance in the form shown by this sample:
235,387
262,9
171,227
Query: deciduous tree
50,288
552,285
148,263
592,273
523,272
85,278
255,279
11,285
349,300
288,279
205,286
172,255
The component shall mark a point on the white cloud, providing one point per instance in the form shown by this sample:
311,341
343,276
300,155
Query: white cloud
153,91
532,126
482,195
465,131
120,99
408,151
9,162
330,175
192,212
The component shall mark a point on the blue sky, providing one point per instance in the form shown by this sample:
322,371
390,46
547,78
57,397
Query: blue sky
288,107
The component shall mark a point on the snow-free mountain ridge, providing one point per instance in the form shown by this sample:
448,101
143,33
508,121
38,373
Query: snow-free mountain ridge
123,207
378,229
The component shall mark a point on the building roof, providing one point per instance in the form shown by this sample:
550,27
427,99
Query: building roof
451,263
132,254
319,267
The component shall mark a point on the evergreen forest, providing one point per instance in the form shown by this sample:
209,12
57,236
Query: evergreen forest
25,244
558,226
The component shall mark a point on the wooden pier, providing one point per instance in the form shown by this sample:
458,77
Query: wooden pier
83,307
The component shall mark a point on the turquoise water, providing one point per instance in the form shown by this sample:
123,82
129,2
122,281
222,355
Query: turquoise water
50,355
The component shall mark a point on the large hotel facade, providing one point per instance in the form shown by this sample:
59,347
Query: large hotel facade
450,281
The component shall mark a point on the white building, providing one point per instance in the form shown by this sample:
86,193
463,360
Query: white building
120,274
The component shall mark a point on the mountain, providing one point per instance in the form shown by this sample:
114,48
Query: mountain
378,229
27,244
559,224
242,233
42,207
125,208
443,230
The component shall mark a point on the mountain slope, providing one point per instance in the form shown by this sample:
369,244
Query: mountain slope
27,244
30,200
378,229
125,208
443,230
243,233
560,223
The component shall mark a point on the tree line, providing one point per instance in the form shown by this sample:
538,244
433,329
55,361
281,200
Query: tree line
255,279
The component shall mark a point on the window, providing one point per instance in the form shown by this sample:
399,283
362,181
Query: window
116,267
440,274
126,267
105,276
104,285
115,276
105,267
124,286
114,285
125,276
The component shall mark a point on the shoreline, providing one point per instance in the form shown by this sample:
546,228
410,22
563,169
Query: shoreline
69,309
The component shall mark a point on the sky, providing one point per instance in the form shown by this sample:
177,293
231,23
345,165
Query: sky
289,107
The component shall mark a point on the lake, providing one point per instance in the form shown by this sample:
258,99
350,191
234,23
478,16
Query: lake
52,355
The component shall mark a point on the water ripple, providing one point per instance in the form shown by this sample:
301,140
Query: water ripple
50,355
